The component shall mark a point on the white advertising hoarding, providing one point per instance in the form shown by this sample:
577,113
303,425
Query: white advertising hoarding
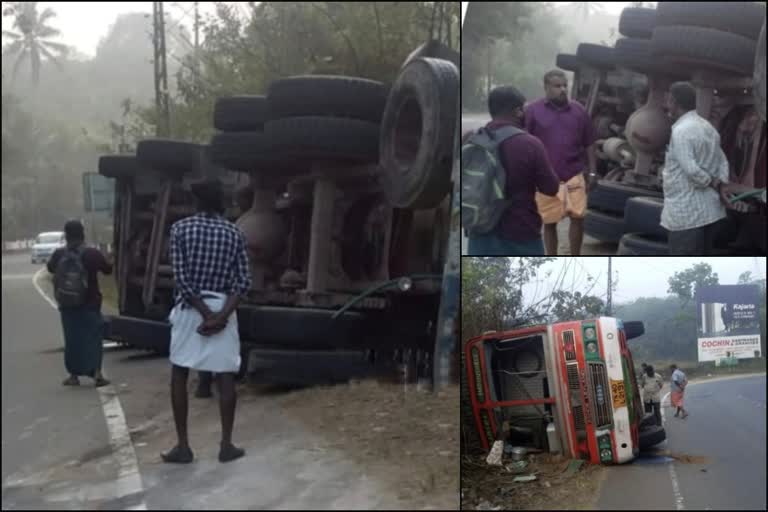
740,347
729,322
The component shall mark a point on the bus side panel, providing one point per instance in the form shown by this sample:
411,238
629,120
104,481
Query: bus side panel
558,329
471,379
621,437
591,440
559,388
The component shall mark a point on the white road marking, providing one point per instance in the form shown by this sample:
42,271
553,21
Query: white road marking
35,280
679,502
128,476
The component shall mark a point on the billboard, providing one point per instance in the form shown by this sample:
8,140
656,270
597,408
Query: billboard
728,322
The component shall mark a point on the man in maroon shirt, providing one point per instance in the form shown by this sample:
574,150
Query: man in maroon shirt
565,129
525,161
83,324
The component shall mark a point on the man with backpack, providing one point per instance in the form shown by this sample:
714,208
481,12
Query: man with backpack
76,289
502,166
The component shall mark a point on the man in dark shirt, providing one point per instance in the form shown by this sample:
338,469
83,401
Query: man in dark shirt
527,166
565,129
83,325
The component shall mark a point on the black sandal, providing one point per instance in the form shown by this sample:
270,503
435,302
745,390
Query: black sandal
230,452
71,381
178,455
101,381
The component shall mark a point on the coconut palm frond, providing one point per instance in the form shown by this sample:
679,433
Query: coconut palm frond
51,57
44,31
12,35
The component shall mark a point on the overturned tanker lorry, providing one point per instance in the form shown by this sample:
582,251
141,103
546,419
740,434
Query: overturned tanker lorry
720,48
345,190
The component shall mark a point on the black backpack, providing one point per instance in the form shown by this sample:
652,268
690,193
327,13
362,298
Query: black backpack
70,281
483,180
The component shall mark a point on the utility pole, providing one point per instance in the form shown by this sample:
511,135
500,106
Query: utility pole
164,74
156,62
197,47
609,304
488,85
162,102
197,29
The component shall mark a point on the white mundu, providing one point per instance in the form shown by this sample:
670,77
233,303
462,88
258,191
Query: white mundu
218,353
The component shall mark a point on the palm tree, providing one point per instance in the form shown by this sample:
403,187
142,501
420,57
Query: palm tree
32,39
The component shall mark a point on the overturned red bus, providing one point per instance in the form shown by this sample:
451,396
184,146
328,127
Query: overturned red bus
568,387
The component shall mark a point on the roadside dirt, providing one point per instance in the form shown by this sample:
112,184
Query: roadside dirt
555,488
408,440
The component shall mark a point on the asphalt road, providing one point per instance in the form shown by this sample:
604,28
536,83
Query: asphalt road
713,460
93,449
45,425
590,246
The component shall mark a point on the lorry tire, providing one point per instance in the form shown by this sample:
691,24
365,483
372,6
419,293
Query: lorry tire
595,55
240,113
741,18
118,166
435,50
568,62
637,22
697,47
758,85
250,152
605,227
612,197
417,134
171,157
313,138
635,54
651,436
648,421
643,215
335,96
635,244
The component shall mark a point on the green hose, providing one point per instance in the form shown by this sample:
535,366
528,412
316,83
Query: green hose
759,192
386,284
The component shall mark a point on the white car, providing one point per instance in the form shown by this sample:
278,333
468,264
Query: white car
45,244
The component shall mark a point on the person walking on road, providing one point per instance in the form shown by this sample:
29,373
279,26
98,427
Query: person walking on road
75,271
210,268
679,382
652,383
565,129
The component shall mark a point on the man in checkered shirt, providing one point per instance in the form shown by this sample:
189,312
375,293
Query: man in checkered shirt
210,266
695,171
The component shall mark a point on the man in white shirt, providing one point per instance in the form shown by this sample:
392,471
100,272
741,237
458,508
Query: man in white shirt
651,384
695,169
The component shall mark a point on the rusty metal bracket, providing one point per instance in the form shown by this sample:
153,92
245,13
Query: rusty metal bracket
123,253
156,243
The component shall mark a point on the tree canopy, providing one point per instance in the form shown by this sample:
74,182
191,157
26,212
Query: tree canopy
57,119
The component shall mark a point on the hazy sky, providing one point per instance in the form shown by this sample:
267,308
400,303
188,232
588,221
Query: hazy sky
637,277
608,7
83,24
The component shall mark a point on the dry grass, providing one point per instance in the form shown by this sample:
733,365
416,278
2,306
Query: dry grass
487,487
108,289
409,440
